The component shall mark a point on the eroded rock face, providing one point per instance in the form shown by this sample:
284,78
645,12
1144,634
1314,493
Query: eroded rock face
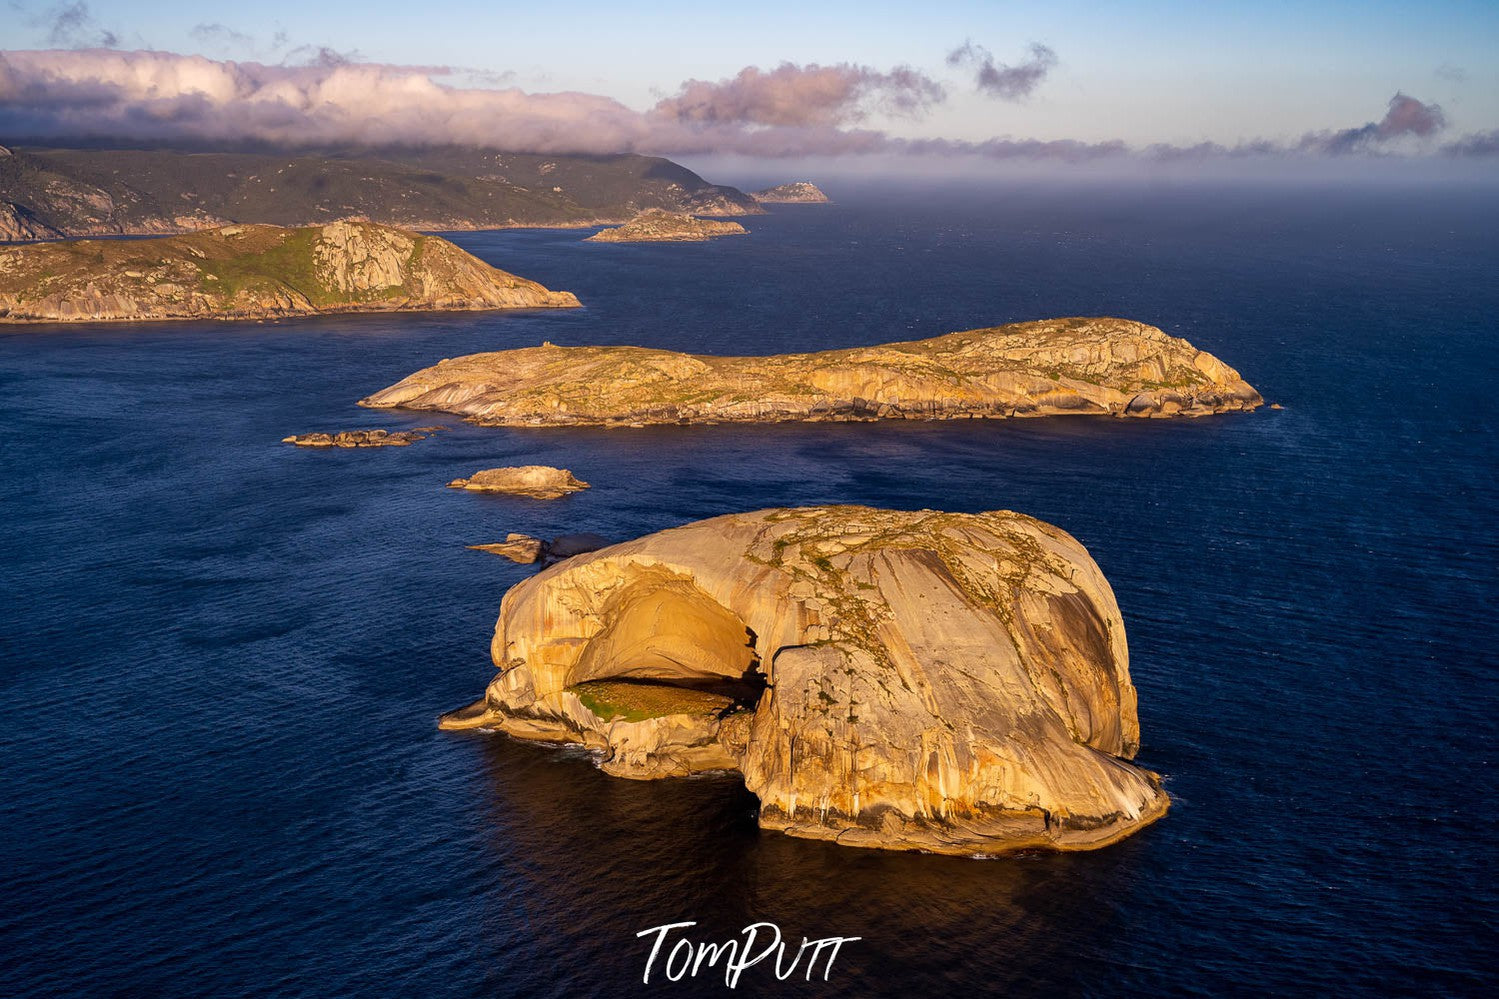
799,192
947,682
535,481
255,272
657,226
1111,367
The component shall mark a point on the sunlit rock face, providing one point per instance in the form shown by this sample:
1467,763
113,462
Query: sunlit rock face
957,683
256,272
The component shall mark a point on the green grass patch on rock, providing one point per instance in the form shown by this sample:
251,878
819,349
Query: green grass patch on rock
613,700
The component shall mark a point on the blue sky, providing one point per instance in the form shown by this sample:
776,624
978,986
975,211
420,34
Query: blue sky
1142,72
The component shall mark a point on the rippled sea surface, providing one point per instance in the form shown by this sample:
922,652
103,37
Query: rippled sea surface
223,656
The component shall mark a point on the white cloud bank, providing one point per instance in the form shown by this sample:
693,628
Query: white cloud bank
790,110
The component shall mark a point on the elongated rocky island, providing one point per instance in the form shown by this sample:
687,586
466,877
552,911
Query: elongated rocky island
658,226
255,272
1055,366
957,683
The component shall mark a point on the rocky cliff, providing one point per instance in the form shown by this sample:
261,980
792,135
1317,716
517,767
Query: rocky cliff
908,680
85,192
1056,366
255,272
17,223
796,193
657,226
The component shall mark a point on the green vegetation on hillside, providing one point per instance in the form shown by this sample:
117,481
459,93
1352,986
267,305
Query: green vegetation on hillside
88,191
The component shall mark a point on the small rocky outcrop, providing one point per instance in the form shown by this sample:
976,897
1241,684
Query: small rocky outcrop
1105,367
957,683
534,481
527,550
520,548
657,226
256,272
799,192
362,438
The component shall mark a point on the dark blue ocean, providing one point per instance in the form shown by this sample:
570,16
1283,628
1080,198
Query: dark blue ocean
223,656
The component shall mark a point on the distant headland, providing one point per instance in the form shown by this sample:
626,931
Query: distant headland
46,193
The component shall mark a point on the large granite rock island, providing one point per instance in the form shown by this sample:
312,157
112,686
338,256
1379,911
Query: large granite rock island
957,683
